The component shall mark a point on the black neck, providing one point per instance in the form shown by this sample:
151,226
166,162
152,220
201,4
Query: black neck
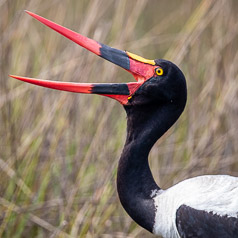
135,183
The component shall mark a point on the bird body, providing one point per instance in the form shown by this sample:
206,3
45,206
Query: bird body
200,207
215,195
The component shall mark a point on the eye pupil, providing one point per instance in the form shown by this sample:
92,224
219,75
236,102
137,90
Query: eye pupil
159,71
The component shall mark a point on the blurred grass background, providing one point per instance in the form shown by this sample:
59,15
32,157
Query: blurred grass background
59,151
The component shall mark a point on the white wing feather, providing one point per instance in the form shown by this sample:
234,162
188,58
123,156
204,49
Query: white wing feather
211,193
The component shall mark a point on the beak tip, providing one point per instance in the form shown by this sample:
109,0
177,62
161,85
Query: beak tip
18,77
29,13
10,75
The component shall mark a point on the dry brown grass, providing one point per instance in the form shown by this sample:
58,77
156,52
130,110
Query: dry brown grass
59,151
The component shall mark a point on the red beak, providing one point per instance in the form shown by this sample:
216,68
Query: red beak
142,69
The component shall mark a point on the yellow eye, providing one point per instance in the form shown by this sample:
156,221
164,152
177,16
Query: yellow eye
159,71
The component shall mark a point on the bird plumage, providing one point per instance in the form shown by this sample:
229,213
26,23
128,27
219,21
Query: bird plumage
216,195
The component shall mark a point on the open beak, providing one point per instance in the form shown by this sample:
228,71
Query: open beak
142,69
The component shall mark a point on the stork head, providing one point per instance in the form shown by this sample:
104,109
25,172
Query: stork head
157,81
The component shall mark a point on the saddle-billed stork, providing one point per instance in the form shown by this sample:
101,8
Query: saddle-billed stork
204,206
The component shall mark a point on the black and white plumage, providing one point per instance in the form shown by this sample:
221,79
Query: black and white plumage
205,206
200,207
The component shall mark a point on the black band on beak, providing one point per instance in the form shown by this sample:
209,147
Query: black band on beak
115,56
112,89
